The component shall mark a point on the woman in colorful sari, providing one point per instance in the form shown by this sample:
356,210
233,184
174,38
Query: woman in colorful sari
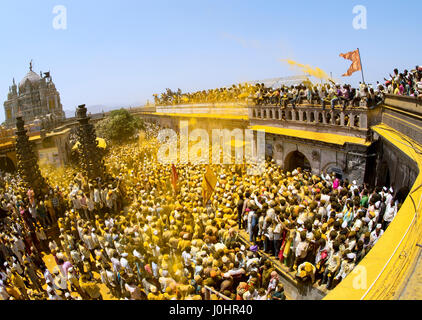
336,183
348,213
283,244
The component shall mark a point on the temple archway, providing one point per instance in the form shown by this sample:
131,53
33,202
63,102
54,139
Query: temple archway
296,159
7,165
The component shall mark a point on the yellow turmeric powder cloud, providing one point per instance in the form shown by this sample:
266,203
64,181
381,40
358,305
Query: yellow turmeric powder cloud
307,69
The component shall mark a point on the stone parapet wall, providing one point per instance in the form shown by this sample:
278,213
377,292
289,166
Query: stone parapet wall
237,109
405,103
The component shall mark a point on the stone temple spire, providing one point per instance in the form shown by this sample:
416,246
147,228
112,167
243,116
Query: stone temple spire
91,158
30,65
27,161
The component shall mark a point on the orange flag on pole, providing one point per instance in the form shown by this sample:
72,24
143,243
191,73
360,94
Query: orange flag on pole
208,185
174,177
353,56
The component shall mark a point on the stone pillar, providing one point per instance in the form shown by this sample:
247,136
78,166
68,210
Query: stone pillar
27,162
300,115
352,120
363,120
91,157
250,112
342,119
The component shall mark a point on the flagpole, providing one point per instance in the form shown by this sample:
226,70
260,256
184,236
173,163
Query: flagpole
361,67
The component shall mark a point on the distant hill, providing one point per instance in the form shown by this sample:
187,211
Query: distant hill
95,109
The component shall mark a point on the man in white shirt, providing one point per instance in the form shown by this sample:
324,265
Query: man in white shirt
76,259
91,206
125,264
76,203
376,234
390,213
104,193
326,198
333,265
301,249
116,263
346,266
389,196
251,294
33,212
354,186
187,259
97,198
90,244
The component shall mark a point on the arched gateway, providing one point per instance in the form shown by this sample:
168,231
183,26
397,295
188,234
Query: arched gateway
6,164
296,159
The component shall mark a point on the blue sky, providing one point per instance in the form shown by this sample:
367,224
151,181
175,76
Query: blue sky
121,52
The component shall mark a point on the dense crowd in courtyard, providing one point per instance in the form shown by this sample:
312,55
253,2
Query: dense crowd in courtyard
327,94
140,237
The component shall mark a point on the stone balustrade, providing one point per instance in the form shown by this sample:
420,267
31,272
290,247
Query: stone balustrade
355,118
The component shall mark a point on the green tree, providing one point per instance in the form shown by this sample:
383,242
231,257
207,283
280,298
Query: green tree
119,126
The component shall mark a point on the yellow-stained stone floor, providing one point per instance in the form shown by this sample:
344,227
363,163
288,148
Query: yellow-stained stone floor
413,290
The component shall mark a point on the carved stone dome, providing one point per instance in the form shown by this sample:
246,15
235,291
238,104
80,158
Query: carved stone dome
31,76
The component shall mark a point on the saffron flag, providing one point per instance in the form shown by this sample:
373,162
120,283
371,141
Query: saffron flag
356,63
208,185
174,177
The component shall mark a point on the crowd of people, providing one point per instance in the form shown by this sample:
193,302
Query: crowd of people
141,237
407,83
32,225
235,93
319,227
331,94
